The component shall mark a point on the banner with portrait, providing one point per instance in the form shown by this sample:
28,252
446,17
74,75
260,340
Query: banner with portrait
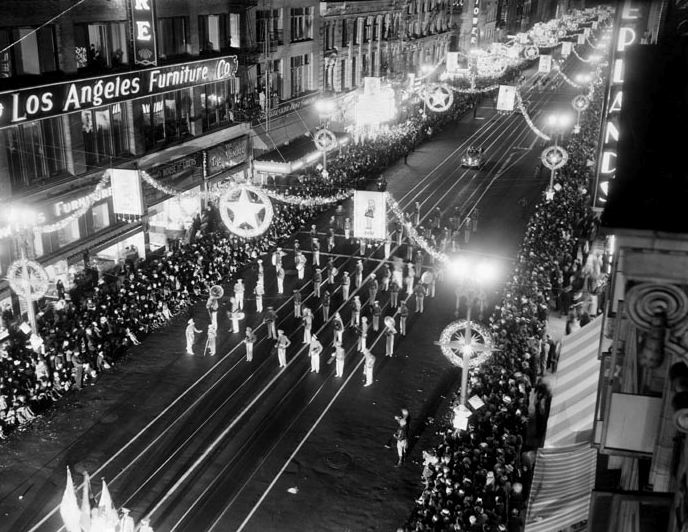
566,47
545,65
127,197
370,215
506,99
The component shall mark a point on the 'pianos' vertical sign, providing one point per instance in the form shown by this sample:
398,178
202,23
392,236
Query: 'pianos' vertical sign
143,32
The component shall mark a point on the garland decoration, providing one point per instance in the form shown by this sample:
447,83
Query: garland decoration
529,121
573,49
75,215
314,201
414,235
569,80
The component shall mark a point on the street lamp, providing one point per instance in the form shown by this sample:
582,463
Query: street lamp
23,219
557,123
473,276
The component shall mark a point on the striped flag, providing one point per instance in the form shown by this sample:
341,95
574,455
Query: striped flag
105,506
69,508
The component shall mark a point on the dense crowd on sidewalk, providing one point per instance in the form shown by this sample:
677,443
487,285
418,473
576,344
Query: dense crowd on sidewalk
478,480
95,324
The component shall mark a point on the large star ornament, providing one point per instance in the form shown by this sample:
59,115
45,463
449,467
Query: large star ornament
439,98
243,216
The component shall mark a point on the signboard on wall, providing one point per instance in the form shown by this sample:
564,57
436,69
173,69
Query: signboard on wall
45,101
181,174
127,199
227,155
475,30
143,32
370,215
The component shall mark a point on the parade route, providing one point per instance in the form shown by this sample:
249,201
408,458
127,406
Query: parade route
214,443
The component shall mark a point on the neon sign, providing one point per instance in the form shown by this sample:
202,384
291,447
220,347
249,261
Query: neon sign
475,32
626,35
143,17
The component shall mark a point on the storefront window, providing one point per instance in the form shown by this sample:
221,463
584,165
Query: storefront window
165,118
35,152
301,23
105,133
172,217
68,234
101,216
101,45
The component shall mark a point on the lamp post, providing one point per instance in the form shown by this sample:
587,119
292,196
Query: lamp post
24,220
473,276
325,107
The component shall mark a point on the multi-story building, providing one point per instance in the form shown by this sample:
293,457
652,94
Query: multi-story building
625,463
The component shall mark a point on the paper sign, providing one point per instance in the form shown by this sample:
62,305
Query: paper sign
506,99
370,215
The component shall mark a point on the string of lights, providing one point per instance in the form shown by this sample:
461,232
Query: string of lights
314,201
569,80
573,49
414,235
529,121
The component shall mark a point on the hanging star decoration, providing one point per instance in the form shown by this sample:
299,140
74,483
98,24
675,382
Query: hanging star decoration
453,343
37,281
246,210
439,97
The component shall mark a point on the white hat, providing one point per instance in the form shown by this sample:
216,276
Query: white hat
190,321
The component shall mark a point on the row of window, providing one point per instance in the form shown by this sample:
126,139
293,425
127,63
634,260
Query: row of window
37,151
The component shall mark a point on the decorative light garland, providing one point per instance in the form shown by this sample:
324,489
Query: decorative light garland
477,358
596,47
573,49
569,80
89,201
314,201
413,234
474,90
163,188
530,123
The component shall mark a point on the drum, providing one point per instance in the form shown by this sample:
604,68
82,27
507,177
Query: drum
238,315
427,278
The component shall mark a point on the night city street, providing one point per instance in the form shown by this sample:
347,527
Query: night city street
341,266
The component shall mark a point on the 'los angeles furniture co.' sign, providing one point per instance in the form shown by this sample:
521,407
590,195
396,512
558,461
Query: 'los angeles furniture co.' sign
36,103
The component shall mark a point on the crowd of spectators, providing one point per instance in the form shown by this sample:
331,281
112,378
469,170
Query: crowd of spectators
93,325
478,480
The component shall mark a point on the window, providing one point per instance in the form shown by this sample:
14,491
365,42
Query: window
358,29
301,24
345,33
100,45
216,103
101,216
36,53
213,32
329,35
353,72
270,20
342,74
35,152
105,133
165,118
300,75
366,30
173,36
68,234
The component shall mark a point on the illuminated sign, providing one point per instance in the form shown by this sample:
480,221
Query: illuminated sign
475,32
625,35
145,52
227,155
36,103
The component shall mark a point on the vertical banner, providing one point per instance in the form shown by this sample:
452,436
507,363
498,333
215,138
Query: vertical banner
506,99
370,215
475,30
143,24
545,65
581,38
127,197
452,61
566,47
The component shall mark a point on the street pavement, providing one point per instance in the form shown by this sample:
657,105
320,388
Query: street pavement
218,443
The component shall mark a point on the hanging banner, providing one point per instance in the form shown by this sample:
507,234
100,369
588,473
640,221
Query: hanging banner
143,16
586,32
506,99
127,199
545,65
452,61
581,39
566,48
594,25
227,155
475,19
370,215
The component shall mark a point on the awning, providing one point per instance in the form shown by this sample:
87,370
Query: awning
284,129
563,481
574,393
